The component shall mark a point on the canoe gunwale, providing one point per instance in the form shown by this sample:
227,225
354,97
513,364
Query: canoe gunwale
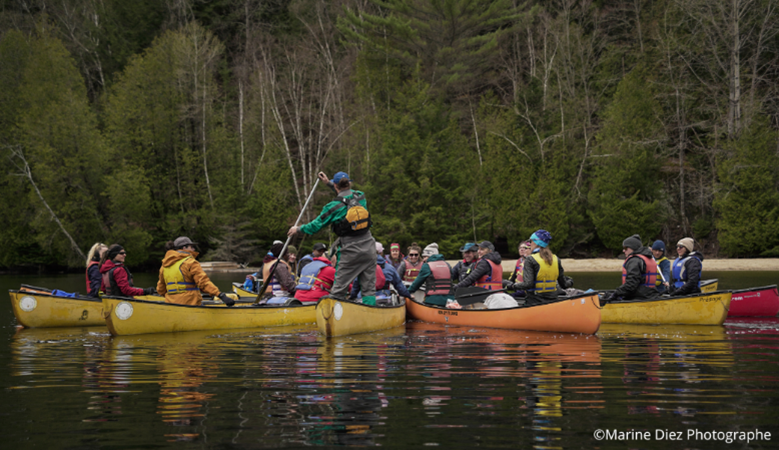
80,298
667,297
217,305
759,288
558,300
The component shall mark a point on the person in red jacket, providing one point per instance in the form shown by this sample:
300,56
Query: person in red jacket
316,280
117,279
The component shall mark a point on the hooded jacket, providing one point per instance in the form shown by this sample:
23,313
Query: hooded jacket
635,269
326,275
122,280
482,268
192,273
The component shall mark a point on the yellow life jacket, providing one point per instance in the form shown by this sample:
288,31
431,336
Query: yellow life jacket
546,278
174,278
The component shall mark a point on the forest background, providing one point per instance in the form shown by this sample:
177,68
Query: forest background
139,121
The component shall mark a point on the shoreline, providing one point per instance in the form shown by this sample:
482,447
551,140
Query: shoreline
573,265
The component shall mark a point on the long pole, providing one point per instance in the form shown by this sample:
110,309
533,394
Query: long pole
266,281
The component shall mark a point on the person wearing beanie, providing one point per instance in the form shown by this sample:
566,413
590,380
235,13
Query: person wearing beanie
686,269
663,266
639,273
395,257
282,283
356,247
436,275
542,272
117,279
487,273
463,268
182,279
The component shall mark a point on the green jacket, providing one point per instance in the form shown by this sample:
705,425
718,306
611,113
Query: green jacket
332,212
425,272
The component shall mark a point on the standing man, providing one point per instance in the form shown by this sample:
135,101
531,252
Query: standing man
347,215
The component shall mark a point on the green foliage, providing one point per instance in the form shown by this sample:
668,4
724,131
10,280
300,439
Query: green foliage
748,201
625,195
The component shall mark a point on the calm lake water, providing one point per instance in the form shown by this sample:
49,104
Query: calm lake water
410,387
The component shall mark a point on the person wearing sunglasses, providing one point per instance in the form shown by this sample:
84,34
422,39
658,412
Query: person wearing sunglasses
409,269
639,272
182,278
524,252
470,258
686,269
117,279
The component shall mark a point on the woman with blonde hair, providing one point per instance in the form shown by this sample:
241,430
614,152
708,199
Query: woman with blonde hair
94,279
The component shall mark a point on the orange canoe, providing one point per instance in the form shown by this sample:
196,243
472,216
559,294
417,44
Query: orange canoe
578,314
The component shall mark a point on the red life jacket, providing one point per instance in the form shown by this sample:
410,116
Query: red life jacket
91,263
650,277
440,282
492,280
519,269
381,280
412,271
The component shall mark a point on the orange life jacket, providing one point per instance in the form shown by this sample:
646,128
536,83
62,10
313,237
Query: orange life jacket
412,271
650,277
440,282
492,280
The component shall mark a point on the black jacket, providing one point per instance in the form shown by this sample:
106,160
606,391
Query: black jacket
692,270
635,269
482,268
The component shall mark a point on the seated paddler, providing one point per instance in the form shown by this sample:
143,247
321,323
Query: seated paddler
182,278
488,271
436,275
542,272
277,270
316,277
686,269
639,273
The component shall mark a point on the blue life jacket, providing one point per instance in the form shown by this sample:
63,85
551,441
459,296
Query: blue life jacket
308,275
678,272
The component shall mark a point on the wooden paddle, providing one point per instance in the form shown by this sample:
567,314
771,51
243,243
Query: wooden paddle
266,281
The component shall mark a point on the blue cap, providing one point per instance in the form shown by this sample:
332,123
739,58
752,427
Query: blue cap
469,247
340,176
659,245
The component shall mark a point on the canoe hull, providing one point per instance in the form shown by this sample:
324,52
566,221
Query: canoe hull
337,318
40,310
708,286
579,314
699,309
755,302
127,317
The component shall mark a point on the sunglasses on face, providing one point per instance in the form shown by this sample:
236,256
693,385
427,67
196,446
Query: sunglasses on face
680,246
122,253
413,254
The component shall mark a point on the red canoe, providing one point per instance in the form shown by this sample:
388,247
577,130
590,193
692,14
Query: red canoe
755,302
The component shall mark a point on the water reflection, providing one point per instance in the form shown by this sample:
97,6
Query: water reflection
423,384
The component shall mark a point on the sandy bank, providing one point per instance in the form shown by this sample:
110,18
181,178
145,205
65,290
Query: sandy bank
573,265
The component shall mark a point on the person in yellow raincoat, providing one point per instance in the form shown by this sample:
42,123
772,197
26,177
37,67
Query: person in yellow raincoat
182,278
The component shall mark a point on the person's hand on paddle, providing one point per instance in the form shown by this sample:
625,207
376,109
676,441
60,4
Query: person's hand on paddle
226,299
322,176
293,230
150,291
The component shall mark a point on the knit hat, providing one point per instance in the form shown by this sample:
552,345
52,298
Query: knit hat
430,250
659,246
379,248
488,245
276,249
469,247
687,243
633,242
113,251
541,238
394,246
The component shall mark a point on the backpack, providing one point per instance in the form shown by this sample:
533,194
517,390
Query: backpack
357,220
381,280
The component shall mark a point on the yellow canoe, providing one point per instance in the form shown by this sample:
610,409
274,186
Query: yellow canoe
241,292
127,316
699,309
337,318
709,285
40,310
